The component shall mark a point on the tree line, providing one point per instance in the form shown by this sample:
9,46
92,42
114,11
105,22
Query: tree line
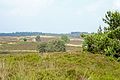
72,34
22,34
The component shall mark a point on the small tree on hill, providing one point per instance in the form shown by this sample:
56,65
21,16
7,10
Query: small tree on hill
52,46
24,39
58,46
38,39
42,47
65,38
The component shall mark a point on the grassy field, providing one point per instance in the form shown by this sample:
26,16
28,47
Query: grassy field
19,46
20,61
29,46
14,43
58,66
13,39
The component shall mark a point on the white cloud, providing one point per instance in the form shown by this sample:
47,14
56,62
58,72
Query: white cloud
26,7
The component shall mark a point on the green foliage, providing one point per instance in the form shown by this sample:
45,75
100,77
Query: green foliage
24,39
42,47
114,34
96,43
112,19
100,30
107,42
83,35
56,46
38,39
65,38
52,46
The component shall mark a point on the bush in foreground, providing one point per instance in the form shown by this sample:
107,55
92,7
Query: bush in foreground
108,41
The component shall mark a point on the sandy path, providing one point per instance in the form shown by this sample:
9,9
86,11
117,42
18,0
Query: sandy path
73,45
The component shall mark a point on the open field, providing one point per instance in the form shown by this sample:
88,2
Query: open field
58,66
30,46
11,39
19,46
14,44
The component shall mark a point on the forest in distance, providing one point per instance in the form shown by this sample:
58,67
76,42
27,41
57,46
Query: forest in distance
72,34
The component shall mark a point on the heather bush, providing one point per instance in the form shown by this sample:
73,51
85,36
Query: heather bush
52,46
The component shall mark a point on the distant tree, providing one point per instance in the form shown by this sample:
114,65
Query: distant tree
42,47
52,46
24,39
58,46
38,39
65,38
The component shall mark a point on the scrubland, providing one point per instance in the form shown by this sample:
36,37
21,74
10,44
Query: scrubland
58,66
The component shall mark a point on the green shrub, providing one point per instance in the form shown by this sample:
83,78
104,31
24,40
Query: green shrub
56,46
65,38
24,39
52,46
38,39
42,47
107,42
59,46
114,34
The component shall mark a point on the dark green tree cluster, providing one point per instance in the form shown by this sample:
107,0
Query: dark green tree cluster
105,41
52,46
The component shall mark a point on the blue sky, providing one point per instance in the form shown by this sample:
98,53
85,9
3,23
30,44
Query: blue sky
56,16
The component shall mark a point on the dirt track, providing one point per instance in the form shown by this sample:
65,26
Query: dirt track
73,45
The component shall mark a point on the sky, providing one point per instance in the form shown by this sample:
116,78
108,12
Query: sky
54,16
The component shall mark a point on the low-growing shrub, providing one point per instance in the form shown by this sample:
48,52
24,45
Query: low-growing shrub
52,46
42,47
38,39
56,46
65,38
